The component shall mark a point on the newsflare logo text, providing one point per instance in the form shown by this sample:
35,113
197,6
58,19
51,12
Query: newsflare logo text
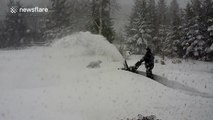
15,9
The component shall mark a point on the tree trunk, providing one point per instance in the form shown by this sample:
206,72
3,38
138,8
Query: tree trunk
100,17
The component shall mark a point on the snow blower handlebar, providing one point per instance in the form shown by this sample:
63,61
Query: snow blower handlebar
138,64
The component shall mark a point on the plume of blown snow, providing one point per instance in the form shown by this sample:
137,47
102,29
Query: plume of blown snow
87,44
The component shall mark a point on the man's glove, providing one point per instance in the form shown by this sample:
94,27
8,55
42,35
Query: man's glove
132,68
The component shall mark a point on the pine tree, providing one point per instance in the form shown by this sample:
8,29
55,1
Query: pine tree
194,30
101,19
58,20
209,14
152,16
208,17
81,15
59,16
66,17
210,26
162,27
138,31
173,39
162,12
187,33
196,40
2,34
15,26
153,24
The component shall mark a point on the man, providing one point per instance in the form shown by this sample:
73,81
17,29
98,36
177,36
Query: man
149,63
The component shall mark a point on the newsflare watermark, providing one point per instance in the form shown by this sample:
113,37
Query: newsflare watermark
15,9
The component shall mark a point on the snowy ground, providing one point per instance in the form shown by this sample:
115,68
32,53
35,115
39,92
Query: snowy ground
54,83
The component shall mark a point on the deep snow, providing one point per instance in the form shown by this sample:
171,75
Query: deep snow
52,83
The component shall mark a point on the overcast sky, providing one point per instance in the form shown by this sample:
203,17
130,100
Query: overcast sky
120,17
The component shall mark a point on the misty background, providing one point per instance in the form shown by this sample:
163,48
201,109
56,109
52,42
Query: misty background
171,28
120,17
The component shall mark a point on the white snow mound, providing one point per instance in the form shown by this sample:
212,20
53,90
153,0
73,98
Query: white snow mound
87,44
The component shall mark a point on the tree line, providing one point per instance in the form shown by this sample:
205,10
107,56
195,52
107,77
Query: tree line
170,30
64,17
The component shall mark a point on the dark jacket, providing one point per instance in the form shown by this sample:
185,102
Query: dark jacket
148,59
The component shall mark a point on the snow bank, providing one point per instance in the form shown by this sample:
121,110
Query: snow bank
37,85
87,44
